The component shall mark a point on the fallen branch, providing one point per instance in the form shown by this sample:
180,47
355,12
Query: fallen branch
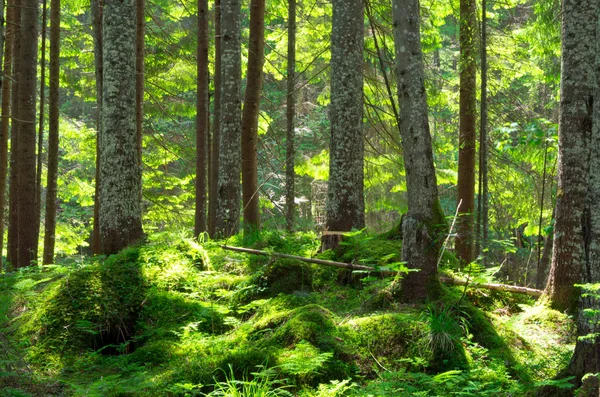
388,273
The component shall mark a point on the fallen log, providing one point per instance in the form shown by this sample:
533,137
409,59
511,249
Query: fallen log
388,273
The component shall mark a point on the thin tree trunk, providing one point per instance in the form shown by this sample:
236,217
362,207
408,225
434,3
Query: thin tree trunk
4,123
230,162
13,197
483,201
216,136
290,154
467,141
120,174
345,198
424,224
256,60
40,144
51,194
26,158
575,129
97,6
202,102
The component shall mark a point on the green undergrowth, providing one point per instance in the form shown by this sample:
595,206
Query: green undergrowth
182,317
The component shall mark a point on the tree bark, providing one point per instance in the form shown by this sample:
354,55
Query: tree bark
345,198
140,32
120,175
216,135
51,194
467,140
4,123
41,118
290,119
97,6
230,162
26,158
13,197
483,201
201,118
424,223
254,77
575,128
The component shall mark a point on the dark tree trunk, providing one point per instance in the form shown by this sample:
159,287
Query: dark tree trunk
467,135
51,194
424,224
483,201
26,158
201,117
120,174
4,123
13,198
256,60
230,162
575,128
290,119
140,31
97,6
216,136
345,198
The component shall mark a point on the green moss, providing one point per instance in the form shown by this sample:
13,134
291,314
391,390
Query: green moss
287,276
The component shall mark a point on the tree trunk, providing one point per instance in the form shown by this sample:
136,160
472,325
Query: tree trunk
26,158
467,141
51,194
256,60
483,201
201,117
345,198
120,176
41,119
216,136
424,223
230,162
140,31
290,118
575,128
97,6
4,123
13,198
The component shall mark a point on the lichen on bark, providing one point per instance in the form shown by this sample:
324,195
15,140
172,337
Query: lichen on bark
120,173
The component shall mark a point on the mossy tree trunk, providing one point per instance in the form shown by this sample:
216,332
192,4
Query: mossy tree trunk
201,117
467,136
290,114
256,60
575,128
345,198
230,162
96,10
120,174
216,135
27,232
424,222
51,194
4,123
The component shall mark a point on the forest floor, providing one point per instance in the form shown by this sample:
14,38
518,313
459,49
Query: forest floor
175,317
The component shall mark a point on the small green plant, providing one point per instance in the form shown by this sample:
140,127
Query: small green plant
262,385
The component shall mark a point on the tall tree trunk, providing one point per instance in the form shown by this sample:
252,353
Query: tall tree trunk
483,201
26,158
467,135
290,118
140,34
41,118
13,197
424,223
202,100
120,175
97,6
216,135
51,194
4,123
230,162
254,76
575,128
345,198
586,357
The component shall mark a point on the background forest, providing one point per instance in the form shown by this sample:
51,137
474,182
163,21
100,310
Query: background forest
177,315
